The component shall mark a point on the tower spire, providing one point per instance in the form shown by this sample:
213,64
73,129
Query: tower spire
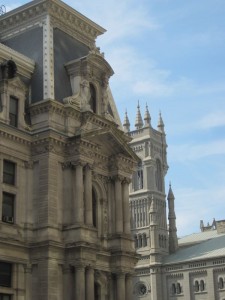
173,241
160,123
139,121
147,117
126,123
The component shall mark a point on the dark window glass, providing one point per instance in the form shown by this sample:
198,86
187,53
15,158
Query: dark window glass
5,274
8,208
13,111
9,172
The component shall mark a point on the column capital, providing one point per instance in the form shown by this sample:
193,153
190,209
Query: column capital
88,166
118,178
76,163
126,180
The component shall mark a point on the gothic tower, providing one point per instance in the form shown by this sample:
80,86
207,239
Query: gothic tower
148,200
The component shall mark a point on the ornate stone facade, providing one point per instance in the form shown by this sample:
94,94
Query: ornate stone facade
65,163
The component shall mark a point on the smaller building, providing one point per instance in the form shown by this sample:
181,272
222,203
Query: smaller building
190,268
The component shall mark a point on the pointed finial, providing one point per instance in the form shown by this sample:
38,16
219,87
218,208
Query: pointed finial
147,117
170,193
138,122
126,123
160,123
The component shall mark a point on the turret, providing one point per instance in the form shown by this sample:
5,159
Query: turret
160,124
126,123
173,242
147,117
139,121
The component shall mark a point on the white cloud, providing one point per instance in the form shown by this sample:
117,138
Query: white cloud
212,120
191,152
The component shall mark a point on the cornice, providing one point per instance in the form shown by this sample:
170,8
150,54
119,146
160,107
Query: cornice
14,135
63,17
25,65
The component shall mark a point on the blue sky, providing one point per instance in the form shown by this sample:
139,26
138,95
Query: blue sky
170,55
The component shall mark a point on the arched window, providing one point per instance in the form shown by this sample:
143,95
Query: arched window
164,242
173,288
178,288
221,283
93,100
202,285
196,286
158,175
94,208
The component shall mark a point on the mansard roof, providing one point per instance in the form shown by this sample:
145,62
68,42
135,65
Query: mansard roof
62,15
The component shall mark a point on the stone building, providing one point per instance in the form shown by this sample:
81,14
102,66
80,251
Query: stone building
65,162
189,268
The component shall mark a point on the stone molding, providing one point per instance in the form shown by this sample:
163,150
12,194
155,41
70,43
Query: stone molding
25,65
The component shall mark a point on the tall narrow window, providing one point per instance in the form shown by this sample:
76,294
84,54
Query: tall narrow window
221,283
94,208
138,183
8,208
93,102
13,111
9,172
5,274
158,175
196,286
202,285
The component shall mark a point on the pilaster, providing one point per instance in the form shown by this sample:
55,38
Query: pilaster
48,59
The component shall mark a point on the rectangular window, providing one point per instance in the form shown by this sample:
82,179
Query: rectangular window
9,169
13,111
5,274
5,297
8,208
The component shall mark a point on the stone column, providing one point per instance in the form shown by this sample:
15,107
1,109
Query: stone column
88,195
67,287
78,197
111,282
129,287
28,280
120,287
79,283
119,205
90,284
126,206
